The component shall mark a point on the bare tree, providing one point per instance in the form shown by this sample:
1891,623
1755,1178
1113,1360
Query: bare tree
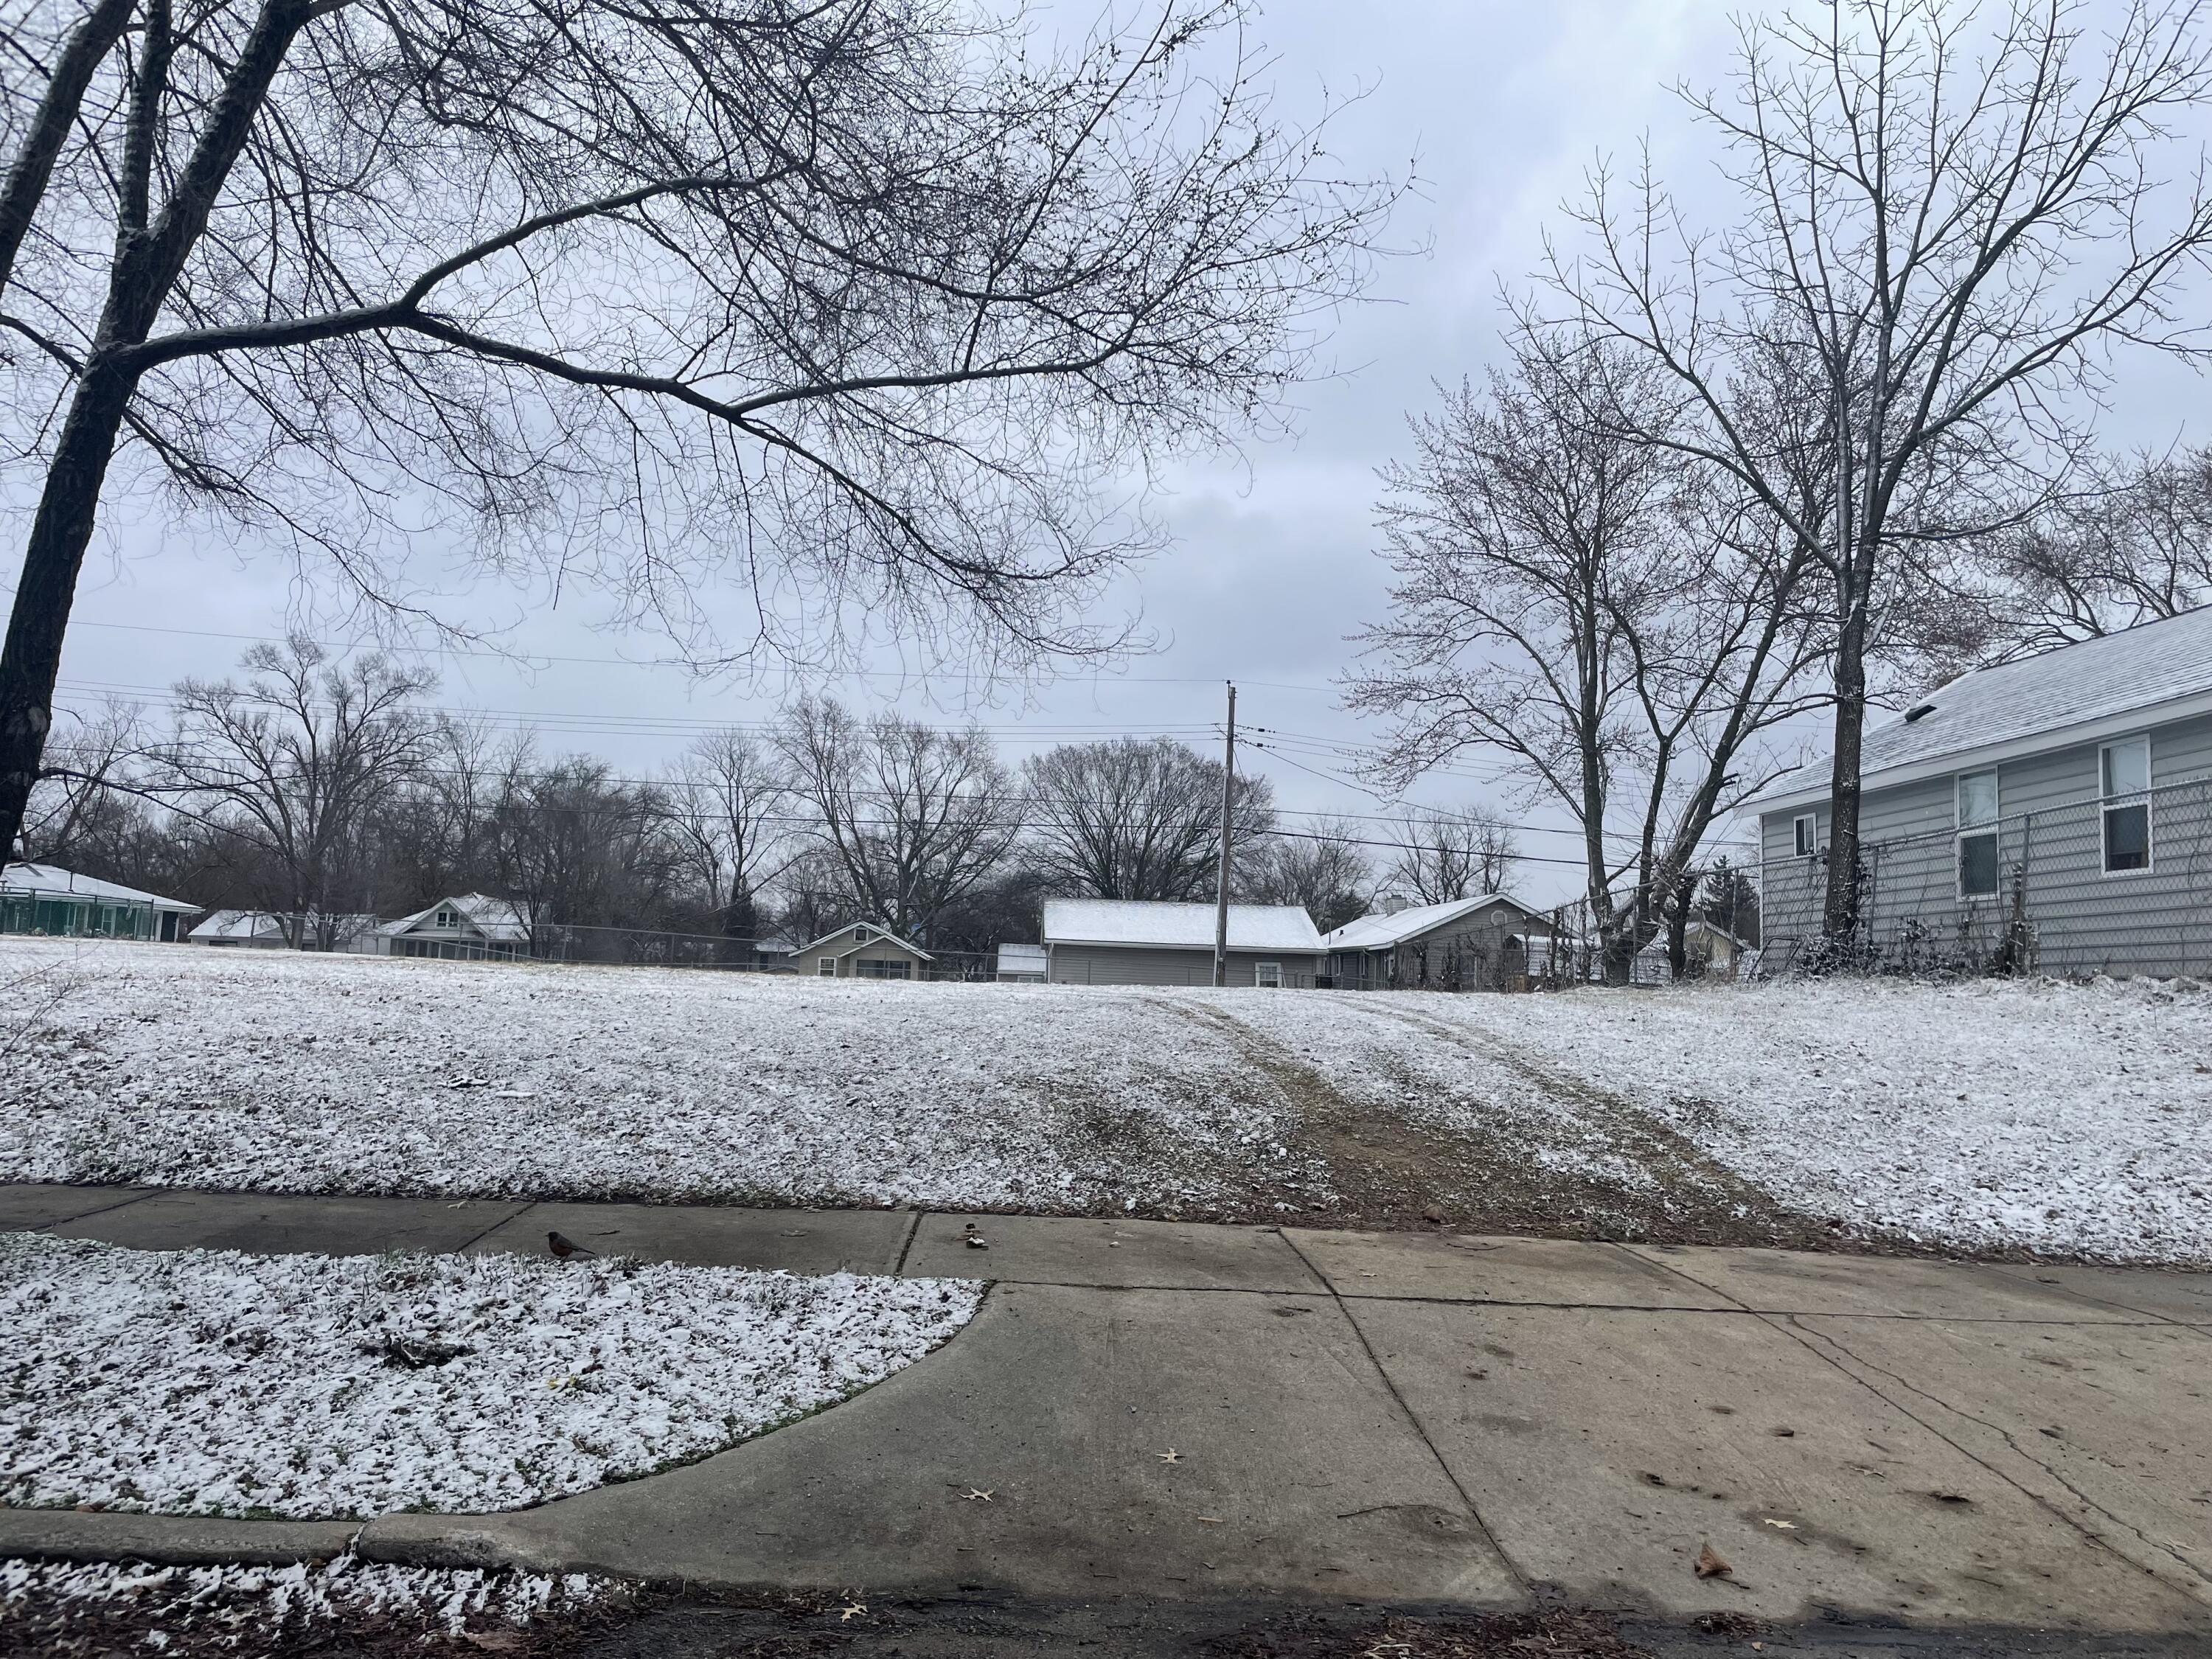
1444,856
2135,546
1950,215
88,757
1319,867
1572,599
731,802
848,303
588,856
1138,818
295,762
911,818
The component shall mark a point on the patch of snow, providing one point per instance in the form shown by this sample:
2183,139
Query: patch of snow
259,1604
212,1383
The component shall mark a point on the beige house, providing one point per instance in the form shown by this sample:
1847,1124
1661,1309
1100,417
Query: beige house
861,950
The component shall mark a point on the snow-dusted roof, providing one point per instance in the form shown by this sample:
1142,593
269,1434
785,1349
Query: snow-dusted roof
1381,929
2133,671
1176,926
266,924
498,919
238,924
55,882
881,935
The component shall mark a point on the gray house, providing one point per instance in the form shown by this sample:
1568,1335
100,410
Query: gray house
1140,942
1477,943
2053,813
861,950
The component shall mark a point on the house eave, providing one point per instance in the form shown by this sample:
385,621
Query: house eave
2147,716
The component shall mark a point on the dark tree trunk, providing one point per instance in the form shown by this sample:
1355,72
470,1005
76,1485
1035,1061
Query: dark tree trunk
1840,918
32,657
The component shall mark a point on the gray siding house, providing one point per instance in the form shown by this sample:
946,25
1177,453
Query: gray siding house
1138,942
1477,943
2053,813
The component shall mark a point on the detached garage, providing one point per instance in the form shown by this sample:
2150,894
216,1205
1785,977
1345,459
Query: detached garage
1136,942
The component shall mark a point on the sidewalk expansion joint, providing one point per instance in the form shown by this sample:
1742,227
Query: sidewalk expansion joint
1413,1421
102,1209
497,1222
906,1244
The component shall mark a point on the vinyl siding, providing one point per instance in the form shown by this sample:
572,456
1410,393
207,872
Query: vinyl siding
1121,964
2080,918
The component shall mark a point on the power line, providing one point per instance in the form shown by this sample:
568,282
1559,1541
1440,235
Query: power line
899,676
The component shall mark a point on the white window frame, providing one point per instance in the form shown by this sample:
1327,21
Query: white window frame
1805,834
445,919
1964,832
1269,974
862,936
826,969
2108,803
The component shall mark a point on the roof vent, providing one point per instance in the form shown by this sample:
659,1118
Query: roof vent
1394,902
1919,711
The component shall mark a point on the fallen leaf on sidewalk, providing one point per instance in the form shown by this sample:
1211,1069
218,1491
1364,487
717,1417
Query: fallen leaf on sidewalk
851,1610
1170,1456
1786,1526
1710,1563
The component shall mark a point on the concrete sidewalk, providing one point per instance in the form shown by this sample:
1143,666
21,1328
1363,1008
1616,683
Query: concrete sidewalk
1396,1418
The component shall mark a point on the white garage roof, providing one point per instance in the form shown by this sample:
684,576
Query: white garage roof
1165,926
58,883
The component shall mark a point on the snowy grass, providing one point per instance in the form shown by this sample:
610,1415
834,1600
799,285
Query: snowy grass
188,1066
2069,1119
271,1609
217,1384
2074,1119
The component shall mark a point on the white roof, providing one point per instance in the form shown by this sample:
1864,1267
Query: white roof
1029,955
266,924
238,924
52,879
497,918
1373,932
1175,927
2080,685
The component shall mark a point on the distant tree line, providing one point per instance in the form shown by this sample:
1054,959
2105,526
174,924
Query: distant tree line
316,788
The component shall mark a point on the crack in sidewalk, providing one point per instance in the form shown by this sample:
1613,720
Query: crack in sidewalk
1810,1340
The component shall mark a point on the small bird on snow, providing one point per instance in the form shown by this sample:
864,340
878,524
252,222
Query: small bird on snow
565,1248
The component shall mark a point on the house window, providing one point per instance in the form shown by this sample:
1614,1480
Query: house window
1807,829
862,936
827,968
445,919
1267,973
2125,780
1978,834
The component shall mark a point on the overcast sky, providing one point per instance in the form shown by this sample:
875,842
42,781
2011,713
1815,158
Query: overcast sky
1504,104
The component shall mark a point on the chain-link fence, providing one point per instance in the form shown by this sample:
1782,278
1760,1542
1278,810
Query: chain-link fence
2120,886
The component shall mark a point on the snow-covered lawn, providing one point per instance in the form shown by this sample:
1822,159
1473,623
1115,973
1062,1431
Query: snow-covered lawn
273,1609
2070,1119
207,1382
192,1065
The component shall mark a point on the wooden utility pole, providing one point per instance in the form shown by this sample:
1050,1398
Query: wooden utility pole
1221,896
